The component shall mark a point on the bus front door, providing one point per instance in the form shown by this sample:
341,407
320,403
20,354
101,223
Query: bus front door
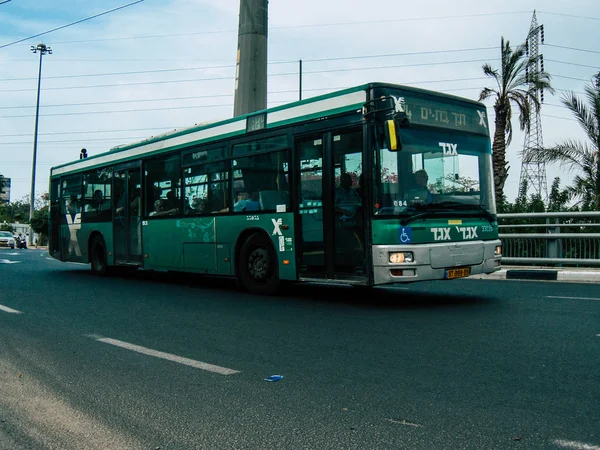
127,231
331,234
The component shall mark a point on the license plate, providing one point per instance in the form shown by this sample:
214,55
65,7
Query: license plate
457,273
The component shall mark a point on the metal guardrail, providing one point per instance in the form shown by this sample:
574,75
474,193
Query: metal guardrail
546,244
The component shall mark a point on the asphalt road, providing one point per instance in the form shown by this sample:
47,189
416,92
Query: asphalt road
164,361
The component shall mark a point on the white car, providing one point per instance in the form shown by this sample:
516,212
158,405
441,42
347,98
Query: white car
7,239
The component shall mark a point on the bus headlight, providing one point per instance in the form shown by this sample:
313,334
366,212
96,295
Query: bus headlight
401,257
498,250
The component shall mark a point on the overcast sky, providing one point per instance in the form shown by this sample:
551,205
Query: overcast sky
159,65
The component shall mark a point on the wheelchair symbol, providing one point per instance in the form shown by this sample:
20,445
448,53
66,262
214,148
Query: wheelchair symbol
404,236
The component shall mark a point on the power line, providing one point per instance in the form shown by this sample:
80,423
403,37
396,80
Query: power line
572,48
91,131
271,75
125,139
287,91
80,113
286,27
569,78
70,24
282,62
129,101
158,99
137,72
342,58
127,60
330,89
400,54
569,15
205,106
136,138
558,117
228,95
126,84
572,64
128,130
287,62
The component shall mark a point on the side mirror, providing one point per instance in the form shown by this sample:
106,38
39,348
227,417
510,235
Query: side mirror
393,140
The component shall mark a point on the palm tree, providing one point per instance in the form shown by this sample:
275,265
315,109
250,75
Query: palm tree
516,85
583,157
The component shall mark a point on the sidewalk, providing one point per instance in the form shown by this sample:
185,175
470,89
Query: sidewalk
568,274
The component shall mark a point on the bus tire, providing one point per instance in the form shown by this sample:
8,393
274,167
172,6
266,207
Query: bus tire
257,265
98,256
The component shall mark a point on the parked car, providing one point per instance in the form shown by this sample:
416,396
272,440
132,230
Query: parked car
7,239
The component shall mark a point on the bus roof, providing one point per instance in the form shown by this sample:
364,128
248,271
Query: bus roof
341,101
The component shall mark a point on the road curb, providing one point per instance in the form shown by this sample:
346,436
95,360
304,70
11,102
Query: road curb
521,274
574,275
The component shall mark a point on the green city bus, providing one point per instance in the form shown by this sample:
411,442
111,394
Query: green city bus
371,185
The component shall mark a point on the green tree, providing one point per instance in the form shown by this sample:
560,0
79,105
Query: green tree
577,156
558,199
7,227
2,187
18,211
40,223
516,85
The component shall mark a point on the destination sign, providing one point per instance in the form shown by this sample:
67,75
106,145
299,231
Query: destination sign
424,109
420,111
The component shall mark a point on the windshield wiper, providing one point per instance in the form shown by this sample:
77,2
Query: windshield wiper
424,213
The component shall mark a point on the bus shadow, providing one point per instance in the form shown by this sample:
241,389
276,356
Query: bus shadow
386,297
389,297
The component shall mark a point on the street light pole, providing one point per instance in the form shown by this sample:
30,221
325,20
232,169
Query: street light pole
42,49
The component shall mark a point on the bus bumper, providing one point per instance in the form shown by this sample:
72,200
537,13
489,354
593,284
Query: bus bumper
435,261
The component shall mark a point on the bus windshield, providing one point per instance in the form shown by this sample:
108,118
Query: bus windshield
435,171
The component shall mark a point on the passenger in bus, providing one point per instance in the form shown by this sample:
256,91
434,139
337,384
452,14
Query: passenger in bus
135,204
245,203
218,201
360,188
72,205
198,206
346,198
171,200
95,203
161,209
420,193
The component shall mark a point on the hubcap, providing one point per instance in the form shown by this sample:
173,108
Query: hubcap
258,264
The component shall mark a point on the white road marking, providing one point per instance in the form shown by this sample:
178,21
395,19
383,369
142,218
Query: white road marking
403,422
575,445
9,310
8,261
572,298
168,356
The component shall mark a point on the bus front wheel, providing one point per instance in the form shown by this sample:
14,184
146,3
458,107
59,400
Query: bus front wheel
98,256
257,265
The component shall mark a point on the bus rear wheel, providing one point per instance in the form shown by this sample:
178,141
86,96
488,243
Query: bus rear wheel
98,256
257,265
